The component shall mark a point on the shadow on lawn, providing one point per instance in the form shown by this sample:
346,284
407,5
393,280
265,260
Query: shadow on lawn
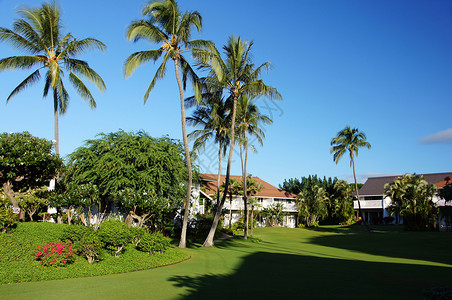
428,246
284,276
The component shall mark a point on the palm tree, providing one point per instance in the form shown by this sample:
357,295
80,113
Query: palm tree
253,188
168,26
236,76
350,140
248,123
39,32
212,115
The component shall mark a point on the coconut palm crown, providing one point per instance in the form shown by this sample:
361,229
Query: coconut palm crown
39,32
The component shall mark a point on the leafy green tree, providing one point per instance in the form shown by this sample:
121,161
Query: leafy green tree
168,25
235,76
253,187
26,162
446,191
126,166
249,122
33,201
312,205
234,189
349,139
411,197
39,32
341,208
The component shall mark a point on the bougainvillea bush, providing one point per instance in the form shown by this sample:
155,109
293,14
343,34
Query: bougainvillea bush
56,254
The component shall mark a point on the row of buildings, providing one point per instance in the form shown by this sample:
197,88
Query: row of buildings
374,204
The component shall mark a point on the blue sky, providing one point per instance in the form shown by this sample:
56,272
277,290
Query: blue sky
383,66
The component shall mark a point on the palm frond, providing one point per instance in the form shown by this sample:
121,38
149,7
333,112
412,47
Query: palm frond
75,47
159,74
145,30
82,90
34,77
139,58
82,68
18,41
20,62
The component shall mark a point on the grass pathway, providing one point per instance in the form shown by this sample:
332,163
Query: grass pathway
330,263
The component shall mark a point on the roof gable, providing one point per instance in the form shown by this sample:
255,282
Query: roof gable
209,182
375,185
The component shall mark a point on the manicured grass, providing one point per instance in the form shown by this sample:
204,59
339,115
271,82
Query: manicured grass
330,263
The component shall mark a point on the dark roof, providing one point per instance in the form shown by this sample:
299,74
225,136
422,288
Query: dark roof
209,182
375,185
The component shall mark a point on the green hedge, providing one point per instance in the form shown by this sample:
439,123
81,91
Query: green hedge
18,256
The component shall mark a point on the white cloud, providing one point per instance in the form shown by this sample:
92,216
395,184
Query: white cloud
444,136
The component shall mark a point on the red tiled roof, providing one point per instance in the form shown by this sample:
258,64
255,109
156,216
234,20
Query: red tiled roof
209,181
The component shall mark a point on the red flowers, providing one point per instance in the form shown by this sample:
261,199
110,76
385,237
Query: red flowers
56,255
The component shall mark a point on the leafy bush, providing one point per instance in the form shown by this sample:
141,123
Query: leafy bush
56,254
90,245
115,234
154,242
74,233
7,217
200,226
137,234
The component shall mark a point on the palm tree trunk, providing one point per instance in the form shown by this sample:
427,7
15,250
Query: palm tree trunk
356,189
55,117
209,240
245,202
219,172
183,236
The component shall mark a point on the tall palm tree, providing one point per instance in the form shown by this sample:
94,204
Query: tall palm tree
249,121
39,32
212,115
349,139
171,28
236,76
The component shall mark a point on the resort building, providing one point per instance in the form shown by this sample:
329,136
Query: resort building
264,199
374,204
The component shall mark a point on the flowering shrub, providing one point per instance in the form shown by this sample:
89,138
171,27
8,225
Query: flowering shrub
56,255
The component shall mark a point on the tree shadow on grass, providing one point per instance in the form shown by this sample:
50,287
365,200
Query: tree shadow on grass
285,276
428,246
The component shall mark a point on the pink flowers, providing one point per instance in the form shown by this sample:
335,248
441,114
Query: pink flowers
56,254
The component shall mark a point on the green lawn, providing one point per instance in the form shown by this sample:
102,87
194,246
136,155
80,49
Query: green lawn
330,262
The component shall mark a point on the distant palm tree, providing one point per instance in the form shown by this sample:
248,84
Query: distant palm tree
236,76
40,33
212,115
350,140
249,121
167,25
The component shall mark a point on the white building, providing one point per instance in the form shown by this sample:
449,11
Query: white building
374,204
265,198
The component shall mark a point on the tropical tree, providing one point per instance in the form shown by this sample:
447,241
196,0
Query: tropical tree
212,115
349,139
411,197
26,162
234,189
249,122
312,205
235,76
274,213
39,32
168,26
251,188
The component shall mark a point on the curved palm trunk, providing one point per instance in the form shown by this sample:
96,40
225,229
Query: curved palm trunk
219,172
183,237
356,190
209,240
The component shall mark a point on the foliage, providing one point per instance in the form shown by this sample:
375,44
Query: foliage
26,162
8,219
199,226
137,234
411,197
116,235
312,205
33,201
446,191
153,242
56,254
75,233
18,261
90,245
39,32
274,213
